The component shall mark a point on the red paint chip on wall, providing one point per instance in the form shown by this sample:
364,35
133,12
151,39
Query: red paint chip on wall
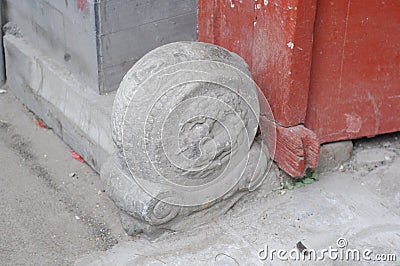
82,4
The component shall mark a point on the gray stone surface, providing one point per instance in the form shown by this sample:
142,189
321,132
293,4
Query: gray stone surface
365,210
184,121
370,154
98,41
333,155
374,156
62,30
130,29
76,113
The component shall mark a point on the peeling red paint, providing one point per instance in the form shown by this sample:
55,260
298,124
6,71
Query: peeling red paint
353,123
297,149
339,76
82,5
275,39
355,70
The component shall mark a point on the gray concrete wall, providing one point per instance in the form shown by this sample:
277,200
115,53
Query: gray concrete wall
65,30
131,28
98,41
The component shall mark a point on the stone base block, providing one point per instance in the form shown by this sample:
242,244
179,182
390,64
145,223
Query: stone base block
333,155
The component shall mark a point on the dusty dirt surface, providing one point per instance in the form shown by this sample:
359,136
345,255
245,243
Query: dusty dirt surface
357,205
52,207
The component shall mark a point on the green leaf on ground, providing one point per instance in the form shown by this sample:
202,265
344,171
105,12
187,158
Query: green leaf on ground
308,181
288,185
314,176
299,184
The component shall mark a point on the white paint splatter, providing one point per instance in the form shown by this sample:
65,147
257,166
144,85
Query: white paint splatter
255,23
258,6
353,123
232,4
290,45
266,2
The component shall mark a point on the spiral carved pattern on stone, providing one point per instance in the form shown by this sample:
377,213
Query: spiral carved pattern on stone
184,123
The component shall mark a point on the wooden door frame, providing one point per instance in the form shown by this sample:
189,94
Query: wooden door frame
276,40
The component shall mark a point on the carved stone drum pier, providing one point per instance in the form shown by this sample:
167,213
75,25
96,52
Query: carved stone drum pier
185,123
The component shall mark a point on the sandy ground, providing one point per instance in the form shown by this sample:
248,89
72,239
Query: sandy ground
47,216
51,218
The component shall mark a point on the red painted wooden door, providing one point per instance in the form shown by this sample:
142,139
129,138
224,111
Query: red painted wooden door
275,39
355,77
329,68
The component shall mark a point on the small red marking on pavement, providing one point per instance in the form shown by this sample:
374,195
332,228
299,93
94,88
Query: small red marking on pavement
40,123
77,157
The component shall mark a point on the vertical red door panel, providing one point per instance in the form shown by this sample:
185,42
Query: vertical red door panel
333,66
275,39
355,84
